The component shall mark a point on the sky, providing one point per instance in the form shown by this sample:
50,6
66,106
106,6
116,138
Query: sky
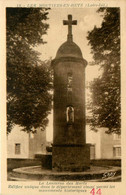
86,18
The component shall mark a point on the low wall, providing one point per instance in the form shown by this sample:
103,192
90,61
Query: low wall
17,163
106,162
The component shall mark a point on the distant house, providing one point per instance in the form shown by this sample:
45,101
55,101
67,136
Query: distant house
103,146
25,145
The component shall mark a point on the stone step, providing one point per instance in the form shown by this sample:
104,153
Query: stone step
113,179
36,173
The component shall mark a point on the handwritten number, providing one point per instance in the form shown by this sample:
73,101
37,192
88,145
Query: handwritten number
92,191
98,192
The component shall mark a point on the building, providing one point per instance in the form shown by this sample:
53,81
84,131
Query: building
103,145
25,145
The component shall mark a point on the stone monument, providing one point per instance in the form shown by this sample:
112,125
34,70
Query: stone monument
70,151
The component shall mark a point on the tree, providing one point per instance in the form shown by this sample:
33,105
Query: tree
28,78
105,46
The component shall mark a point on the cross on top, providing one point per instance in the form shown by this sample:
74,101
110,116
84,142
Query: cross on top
69,22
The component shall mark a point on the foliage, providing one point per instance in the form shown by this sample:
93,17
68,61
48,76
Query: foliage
28,78
105,46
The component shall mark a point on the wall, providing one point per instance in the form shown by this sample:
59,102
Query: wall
16,163
63,98
21,137
37,143
107,144
104,143
94,138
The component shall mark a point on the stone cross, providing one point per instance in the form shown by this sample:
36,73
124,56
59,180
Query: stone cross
69,22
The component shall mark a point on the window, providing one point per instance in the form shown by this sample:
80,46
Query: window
17,148
92,152
69,82
117,151
69,87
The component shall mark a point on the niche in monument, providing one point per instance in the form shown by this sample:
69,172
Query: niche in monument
70,115
70,151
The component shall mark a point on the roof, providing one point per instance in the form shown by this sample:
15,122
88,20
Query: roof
69,49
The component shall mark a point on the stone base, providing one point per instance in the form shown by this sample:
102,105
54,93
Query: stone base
36,173
71,158
46,160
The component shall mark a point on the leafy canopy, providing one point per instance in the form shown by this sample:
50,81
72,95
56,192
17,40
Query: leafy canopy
105,47
28,78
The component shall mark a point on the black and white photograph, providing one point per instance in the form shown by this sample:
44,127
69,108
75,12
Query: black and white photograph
63,96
